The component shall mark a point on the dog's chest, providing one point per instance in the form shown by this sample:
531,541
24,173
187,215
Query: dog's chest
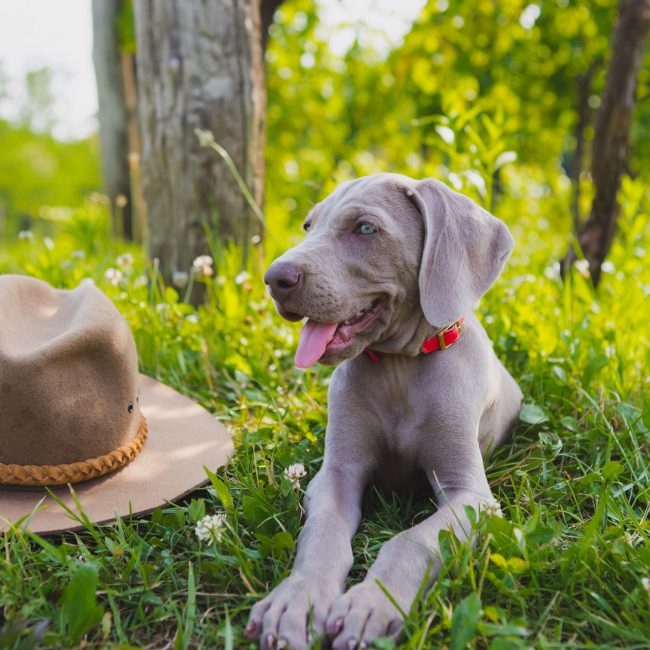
396,398
399,467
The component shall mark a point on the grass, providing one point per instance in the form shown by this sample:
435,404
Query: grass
562,568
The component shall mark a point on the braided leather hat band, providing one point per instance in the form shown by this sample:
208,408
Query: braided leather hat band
51,475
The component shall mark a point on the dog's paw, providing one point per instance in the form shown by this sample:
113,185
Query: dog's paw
292,614
361,615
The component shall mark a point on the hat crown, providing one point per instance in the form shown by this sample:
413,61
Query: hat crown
68,374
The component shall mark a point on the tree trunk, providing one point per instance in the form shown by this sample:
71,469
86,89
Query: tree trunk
577,164
113,117
611,145
199,66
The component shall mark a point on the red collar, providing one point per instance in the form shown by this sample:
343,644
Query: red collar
440,341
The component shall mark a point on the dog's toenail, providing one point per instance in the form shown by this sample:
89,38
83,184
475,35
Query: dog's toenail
352,644
270,641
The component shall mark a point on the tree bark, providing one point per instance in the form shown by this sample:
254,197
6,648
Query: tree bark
611,145
199,65
577,164
113,117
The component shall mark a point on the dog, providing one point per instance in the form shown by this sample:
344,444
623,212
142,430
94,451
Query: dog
387,277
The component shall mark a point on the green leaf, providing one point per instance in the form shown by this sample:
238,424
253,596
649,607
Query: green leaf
612,469
282,542
594,365
463,622
196,509
532,414
229,637
254,512
79,611
506,643
186,626
560,373
536,532
221,489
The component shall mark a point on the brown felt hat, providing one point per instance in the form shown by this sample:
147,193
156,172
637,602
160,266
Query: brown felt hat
75,412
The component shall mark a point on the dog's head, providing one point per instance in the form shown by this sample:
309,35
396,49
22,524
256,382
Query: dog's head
384,255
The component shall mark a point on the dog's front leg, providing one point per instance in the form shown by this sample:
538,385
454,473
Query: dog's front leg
323,559
403,563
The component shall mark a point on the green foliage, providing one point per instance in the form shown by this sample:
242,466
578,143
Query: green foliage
78,609
36,171
333,118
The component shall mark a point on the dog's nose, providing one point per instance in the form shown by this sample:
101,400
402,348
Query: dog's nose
283,278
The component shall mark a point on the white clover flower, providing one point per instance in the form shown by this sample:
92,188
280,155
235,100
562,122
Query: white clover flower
192,318
78,255
210,527
202,266
113,276
49,243
242,277
491,507
25,235
582,266
180,279
125,261
294,473
607,267
141,281
552,272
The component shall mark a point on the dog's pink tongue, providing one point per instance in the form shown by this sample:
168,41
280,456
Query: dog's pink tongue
314,338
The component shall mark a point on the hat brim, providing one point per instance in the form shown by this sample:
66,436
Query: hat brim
183,438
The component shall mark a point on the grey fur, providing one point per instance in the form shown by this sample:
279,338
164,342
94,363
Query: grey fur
408,416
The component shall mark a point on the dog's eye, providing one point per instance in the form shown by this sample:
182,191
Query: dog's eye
365,229
306,226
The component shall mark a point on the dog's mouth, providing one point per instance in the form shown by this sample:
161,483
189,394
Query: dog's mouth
317,338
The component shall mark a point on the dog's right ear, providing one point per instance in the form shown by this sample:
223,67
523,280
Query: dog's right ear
464,250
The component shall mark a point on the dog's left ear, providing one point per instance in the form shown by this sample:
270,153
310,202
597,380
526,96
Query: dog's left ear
465,248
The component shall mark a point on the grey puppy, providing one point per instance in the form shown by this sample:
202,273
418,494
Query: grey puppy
387,264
